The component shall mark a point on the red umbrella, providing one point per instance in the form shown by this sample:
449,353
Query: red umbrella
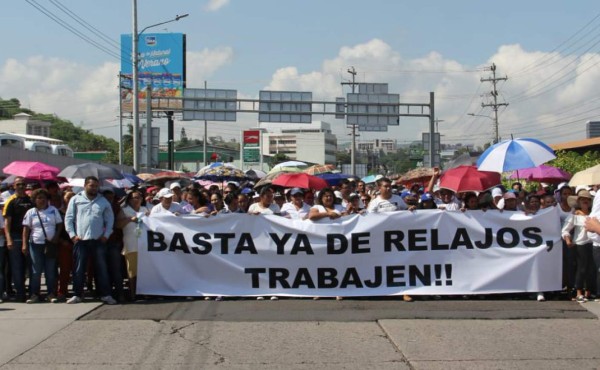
32,170
300,180
468,178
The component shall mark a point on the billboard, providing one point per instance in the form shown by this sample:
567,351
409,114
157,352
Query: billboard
161,65
251,146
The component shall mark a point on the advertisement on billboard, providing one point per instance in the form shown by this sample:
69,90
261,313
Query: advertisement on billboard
251,146
161,66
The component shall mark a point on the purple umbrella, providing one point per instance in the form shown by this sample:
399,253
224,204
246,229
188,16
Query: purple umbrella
542,173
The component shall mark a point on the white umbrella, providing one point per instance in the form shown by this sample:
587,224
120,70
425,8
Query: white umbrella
290,164
515,154
589,176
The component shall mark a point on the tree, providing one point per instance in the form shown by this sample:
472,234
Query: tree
574,162
279,158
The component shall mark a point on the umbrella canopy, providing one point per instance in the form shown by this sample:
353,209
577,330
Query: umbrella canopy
319,169
515,154
164,176
132,178
541,173
421,174
469,179
32,170
300,180
221,173
589,176
371,178
81,171
267,180
333,179
289,166
254,174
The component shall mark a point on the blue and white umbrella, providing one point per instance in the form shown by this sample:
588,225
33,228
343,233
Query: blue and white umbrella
515,154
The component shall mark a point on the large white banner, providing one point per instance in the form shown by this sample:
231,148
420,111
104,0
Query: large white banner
420,253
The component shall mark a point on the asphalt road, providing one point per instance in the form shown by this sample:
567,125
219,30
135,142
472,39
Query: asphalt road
348,310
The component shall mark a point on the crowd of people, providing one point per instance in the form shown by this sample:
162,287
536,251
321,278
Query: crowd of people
90,237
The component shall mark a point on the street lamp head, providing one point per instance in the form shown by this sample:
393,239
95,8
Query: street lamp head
178,17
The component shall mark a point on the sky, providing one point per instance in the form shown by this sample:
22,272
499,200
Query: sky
548,50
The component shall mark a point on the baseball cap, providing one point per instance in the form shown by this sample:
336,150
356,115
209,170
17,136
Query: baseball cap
509,195
496,192
295,191
338,194
425,197
165,193
175,185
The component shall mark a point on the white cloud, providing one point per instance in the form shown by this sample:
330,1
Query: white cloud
85,94
458,90
214,5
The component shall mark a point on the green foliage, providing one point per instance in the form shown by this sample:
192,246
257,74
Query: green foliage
278,158
574,162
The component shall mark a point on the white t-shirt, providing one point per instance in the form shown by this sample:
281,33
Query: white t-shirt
257,208
50,218
289,209
175,207
395,203
453,205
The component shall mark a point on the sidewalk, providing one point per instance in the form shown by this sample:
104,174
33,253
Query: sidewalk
24,326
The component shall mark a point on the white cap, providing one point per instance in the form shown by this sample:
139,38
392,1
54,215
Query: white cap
164,193
175,185
338,194
581,187
496,192
544,184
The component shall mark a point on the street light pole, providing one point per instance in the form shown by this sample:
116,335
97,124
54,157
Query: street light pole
492,118
135,36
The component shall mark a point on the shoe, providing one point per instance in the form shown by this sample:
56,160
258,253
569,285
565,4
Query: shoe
108,300
207,298
74,299
219,298
33,299
61,298
51,298
581,299
339,298
540,297
407,298
274,298
260,298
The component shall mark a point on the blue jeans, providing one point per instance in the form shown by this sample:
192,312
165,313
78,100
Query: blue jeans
2,263
17,266
40,263
115,267
81,252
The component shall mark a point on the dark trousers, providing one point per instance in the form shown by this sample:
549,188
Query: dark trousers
81,251
584,277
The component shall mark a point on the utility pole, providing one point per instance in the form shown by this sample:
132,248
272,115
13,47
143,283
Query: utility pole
494,94
352,71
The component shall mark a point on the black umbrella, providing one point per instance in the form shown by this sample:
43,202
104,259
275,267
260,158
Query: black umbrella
81,171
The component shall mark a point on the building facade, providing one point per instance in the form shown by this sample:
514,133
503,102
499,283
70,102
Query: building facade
24,125
313,143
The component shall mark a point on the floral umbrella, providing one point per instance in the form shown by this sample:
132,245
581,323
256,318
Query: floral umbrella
318,169
221,173
415,175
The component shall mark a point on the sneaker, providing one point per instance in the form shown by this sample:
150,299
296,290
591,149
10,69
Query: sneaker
407,298
540,297
74,299
260,298
108,300
339,298
581,299
33,299
219,298
52,298
61,298
274,298
207,298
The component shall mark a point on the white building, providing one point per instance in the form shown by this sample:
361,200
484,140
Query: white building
23,124
312,142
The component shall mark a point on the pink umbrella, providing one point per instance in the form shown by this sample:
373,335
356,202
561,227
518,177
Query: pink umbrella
542,173
32,170
300,180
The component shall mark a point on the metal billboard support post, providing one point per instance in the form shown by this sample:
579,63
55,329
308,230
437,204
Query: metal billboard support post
431,130
148,127
170,140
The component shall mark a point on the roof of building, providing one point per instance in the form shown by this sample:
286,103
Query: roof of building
576,144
